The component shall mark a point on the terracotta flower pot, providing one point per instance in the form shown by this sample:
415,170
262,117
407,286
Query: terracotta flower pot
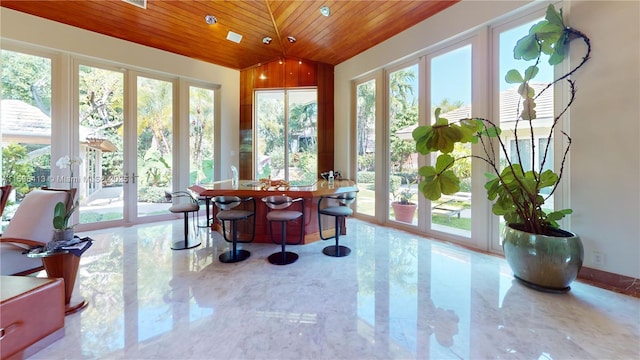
404,212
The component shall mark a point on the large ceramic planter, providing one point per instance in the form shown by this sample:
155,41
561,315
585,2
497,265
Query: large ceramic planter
548,263
404,212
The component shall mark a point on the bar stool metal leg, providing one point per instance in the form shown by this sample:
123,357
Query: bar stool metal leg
234,255
186,243
337,250
283,257
207,203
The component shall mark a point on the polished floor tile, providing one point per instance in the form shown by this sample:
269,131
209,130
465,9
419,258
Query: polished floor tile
397,296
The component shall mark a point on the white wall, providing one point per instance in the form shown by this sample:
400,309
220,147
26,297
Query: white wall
605,127
27,29
605,169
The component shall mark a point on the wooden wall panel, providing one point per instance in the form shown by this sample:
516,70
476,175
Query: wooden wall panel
291,73
308,73
325,118
245,159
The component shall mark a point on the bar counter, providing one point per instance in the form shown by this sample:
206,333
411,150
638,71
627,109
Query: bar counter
311,194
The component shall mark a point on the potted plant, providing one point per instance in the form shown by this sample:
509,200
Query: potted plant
540,253
403,207
62,212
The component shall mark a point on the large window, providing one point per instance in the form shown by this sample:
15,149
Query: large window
201,135
451,92
464,77
286,135
117,125
366,147
403,96
532,150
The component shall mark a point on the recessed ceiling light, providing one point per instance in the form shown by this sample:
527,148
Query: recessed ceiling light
266,40
291,39
210,19
325,11
235,37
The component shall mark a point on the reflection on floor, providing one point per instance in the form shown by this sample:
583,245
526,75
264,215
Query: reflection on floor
397,296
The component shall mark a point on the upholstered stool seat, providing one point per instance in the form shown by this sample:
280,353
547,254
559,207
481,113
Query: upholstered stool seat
228,212
338,208
185,208
275,213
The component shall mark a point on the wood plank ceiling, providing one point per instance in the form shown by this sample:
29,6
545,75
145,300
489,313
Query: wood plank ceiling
180,27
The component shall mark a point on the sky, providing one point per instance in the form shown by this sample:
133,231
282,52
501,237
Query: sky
451,72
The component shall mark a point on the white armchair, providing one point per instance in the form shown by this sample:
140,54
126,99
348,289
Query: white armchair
31,225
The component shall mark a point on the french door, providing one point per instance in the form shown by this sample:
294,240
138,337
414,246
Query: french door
125,146
153,174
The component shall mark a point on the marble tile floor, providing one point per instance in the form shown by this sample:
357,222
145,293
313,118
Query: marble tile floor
397,296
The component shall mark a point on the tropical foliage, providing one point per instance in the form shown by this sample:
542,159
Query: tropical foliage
517,192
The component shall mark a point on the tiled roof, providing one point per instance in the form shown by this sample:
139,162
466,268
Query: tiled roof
509,101
24,120
26,123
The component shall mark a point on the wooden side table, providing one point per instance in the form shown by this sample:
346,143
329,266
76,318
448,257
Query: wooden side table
63,263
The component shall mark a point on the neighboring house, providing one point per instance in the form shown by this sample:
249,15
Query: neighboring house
26,124
510,107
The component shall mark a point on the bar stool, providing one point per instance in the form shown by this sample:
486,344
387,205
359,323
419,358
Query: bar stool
185,208
227,212
340,212
276,213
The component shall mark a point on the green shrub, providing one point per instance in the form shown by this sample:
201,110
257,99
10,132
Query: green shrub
151,194
367,177
394,183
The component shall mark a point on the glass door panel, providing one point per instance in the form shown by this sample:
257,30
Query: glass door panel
154,145
451,91
101,109
403,163
25,128
532,149
366,147
201,135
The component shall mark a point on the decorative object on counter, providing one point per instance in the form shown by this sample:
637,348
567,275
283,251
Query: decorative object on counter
518,193
336,175
235,177
268,184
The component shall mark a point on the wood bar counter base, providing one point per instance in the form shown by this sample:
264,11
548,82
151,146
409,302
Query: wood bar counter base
311,195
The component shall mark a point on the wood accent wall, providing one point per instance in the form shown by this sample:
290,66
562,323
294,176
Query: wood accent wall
289,73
